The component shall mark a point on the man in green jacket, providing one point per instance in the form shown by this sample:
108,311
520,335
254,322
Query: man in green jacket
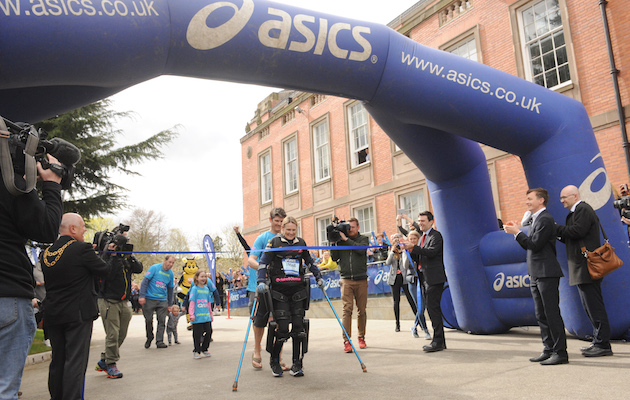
354,284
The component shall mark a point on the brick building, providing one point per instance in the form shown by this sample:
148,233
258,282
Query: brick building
319,156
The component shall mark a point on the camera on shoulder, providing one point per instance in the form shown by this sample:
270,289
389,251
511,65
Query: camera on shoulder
332,230
117,236
623,204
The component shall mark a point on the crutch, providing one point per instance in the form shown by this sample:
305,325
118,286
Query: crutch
344,329
249,324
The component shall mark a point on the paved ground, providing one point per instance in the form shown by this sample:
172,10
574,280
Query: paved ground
473,367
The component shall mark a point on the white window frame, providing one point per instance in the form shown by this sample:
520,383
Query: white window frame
411,210
265,174
322,223
321,151
358,128
359,213
562,64
291,172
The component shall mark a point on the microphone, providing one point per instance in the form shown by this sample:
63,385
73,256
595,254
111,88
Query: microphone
64,151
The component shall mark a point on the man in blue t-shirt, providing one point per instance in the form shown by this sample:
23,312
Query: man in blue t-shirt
276,216
156,295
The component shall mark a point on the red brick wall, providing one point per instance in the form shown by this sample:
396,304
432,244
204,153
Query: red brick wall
492,19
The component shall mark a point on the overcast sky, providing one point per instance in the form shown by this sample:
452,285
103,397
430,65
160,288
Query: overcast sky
197,186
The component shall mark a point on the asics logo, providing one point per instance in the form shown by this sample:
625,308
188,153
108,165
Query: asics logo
202,37
315,34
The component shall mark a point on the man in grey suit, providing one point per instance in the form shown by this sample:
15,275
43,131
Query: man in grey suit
431,251
545,273
582,229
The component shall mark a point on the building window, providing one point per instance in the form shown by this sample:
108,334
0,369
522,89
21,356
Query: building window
544,48
291,165
322,223
265,178
321,151
467,49
358,131
365,215
412,204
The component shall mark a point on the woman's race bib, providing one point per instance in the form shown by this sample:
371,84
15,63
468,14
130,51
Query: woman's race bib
291,266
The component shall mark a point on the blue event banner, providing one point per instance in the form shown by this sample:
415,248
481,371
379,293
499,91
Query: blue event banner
377,284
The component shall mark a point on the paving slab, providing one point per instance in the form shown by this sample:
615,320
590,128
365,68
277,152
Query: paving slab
473,367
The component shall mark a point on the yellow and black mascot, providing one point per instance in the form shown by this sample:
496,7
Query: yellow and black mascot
185,282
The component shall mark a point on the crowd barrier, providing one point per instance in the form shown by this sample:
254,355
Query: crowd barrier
377,285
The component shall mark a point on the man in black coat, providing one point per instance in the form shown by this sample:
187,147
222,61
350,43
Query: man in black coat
70,267
431,251
545,273
582,229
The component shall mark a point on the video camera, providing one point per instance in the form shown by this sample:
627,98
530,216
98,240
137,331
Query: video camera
623,204
26,141
102,239
332,230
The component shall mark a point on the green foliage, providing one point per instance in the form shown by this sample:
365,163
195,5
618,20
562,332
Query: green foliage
90,128
38,345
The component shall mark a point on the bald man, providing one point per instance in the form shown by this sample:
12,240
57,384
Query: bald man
582,228
70,269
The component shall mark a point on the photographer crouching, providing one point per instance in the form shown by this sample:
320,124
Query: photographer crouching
115,294
23,216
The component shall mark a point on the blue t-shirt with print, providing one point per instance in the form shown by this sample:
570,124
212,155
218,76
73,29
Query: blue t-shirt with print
200,297
159,281
261,243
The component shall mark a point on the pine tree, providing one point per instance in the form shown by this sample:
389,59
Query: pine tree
91,129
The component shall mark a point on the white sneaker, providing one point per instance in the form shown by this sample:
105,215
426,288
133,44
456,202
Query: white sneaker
206,354
197,356
47,343
427,335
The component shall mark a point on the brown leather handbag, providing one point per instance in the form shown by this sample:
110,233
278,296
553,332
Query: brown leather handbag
602,260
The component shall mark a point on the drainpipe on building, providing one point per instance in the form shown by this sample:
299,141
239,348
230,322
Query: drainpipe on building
614,72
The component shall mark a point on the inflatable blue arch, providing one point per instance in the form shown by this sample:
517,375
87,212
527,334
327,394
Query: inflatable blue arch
56,55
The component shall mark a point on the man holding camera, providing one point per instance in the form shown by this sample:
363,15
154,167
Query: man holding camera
582,229
22,217
114,301
354,284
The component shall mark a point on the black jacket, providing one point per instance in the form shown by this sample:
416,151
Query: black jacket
25,217
541,248
352,263
582,225
432,258
117,284
70,273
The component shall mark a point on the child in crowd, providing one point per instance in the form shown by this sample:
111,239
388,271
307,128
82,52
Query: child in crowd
171,326
200,299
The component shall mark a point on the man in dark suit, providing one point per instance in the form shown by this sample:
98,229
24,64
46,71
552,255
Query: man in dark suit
545,273
582,229
431,251
70,266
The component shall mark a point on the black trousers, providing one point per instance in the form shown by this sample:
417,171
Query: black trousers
202,332
547,305
593,303
70,352
434,297
398,284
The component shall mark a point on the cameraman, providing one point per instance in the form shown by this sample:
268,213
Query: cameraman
354,283
114,302
22,217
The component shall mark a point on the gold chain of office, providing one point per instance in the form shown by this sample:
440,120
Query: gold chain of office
57,254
